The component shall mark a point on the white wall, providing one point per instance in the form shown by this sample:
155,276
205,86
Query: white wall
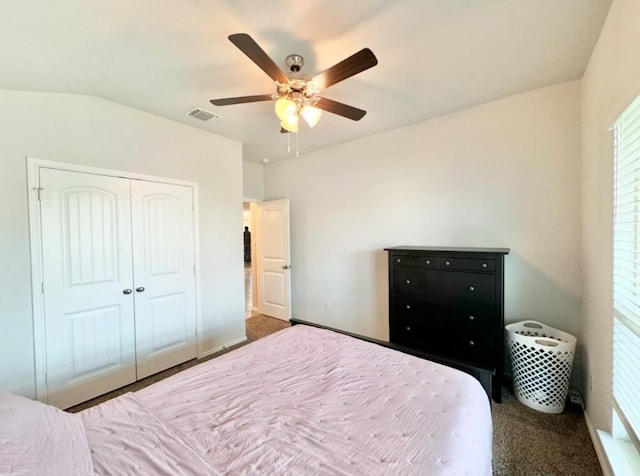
503,174
610,83
91,131
252,181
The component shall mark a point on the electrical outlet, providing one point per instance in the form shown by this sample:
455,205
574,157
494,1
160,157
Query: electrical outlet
327,306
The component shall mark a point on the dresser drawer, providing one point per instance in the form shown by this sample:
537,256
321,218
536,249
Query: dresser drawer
437,339
468,288
478,318
416,282
415,260
466,264
461,288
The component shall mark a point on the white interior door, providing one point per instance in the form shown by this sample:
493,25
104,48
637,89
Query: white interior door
87,282
164,275
274,259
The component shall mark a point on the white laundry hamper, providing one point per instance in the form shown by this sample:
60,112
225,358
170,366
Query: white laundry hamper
541,358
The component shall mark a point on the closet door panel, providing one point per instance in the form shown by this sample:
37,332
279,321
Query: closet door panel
87,264
164,275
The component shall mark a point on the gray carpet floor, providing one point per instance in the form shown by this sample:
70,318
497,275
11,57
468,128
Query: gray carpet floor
525,442
528,442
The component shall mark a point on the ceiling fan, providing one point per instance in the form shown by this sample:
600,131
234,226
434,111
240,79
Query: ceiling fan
297,93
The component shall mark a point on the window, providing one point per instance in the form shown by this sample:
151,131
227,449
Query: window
626,276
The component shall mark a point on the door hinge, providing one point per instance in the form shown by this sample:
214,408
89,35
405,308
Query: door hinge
42,286
38,189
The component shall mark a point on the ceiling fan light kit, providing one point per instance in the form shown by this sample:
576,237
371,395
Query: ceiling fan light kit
285,107
289,109
290,123
297,93
311,114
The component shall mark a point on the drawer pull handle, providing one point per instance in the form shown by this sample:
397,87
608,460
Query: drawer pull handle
472,318
484,265
408,328
408,281
447,263
428,261
398,260
472,343
472,288
408,306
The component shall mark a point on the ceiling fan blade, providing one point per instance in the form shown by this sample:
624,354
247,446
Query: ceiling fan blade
354,64
249,47
340,109
241,100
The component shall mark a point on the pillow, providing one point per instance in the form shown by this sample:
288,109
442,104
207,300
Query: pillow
40,439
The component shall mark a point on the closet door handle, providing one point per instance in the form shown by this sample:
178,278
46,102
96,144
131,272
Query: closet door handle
140,289
127,291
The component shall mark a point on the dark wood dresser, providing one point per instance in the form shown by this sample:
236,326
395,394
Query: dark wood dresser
449,302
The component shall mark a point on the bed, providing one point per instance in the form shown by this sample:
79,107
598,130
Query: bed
301,401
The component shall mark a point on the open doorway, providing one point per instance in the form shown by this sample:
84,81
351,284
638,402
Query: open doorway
267,262
249,241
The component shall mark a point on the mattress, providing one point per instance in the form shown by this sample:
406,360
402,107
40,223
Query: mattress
301,401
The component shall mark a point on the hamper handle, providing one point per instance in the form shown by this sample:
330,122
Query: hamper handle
549,343
532,324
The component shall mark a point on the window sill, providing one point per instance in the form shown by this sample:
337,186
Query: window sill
622,456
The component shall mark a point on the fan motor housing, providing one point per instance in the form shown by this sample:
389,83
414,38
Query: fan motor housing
298,82
295,62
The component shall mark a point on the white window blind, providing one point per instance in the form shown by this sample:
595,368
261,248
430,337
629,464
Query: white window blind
626,271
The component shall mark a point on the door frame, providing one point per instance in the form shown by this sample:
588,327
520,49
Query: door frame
35,243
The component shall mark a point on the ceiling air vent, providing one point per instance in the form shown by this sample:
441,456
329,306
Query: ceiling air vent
201,114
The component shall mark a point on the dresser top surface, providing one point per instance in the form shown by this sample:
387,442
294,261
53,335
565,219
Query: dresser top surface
451,249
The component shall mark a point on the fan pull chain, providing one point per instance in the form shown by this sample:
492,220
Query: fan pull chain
289,143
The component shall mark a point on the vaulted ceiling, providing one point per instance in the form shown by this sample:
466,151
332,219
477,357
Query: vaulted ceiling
168,56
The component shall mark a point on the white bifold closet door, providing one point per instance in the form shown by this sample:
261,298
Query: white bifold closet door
119,281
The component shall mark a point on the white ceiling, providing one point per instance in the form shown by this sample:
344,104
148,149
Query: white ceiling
167,56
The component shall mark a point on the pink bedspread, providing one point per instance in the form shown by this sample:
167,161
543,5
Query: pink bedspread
304,401
127,439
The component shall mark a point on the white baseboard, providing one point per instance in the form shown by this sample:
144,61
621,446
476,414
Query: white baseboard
223,347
